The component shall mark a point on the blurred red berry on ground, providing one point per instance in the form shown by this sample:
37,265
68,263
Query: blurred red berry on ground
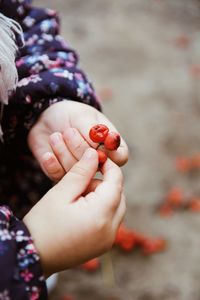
125,238
151,246
175,197
183,164
105,94
195,161
195,71
91,265
182,41
194,205
166,210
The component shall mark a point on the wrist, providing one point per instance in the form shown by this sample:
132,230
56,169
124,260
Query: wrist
34,231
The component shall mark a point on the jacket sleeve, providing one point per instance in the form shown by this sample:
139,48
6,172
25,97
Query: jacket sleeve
47,67
21,275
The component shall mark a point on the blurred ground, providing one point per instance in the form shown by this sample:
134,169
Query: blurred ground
129,47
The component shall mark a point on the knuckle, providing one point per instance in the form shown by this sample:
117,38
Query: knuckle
60,151
78,146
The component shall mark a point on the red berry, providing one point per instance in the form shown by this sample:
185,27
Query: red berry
195,162
183,164
166,210
91,265
102,156
182,41
152,246
194,205
175,197
112,141
98,133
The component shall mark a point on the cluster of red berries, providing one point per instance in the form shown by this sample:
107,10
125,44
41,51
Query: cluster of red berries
188,164
111,140
128,240
175,200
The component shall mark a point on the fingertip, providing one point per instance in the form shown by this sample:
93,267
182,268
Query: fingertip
48,158
90,155
55,138
51,166
120,156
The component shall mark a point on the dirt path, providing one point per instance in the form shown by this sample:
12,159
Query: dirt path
129,47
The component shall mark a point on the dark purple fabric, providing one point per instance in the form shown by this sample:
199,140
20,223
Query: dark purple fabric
48,73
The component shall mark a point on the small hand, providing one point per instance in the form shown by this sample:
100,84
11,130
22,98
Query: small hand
64,129
79,217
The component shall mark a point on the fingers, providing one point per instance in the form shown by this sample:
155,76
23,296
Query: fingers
75,142
109,190
61,151
92,186
76,181
52,167
67,149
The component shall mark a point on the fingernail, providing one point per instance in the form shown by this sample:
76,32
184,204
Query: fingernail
55,138
69,134
48,157
89,154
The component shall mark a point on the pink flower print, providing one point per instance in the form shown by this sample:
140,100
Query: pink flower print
71,57
31,40
28,99
45,59
28,21
34,293
31,248
78,76
24,82
63,43
47,37
4,210
36,68
20,237
26,275
19,62
5,295
5,235
50,12
35,78
69,64
65,74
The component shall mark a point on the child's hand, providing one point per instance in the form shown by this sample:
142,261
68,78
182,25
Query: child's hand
56,155
79,217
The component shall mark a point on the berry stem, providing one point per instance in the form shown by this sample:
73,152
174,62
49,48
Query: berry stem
107,270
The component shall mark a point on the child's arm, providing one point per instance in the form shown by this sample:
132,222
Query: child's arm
78,218
48,71
21,273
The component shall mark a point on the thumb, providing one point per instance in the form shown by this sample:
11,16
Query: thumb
76,181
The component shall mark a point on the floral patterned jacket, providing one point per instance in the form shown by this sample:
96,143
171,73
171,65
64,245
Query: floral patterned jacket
48,73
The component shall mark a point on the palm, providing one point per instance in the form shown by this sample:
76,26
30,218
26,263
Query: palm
69,114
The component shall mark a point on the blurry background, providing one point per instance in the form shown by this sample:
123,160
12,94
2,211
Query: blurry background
143,57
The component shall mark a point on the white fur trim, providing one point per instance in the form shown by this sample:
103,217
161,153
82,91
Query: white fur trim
8,49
